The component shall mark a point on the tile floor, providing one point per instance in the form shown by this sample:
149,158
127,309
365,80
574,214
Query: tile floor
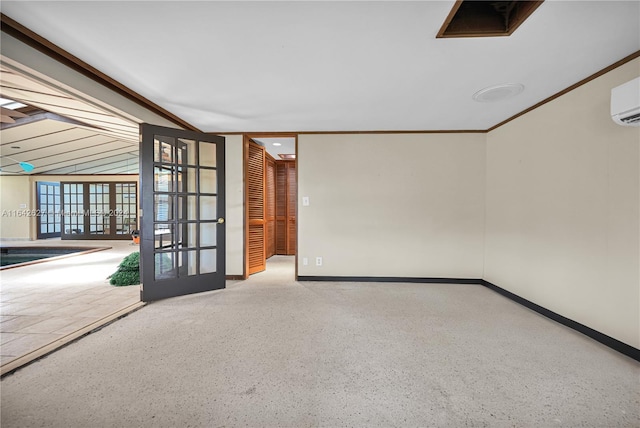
46,305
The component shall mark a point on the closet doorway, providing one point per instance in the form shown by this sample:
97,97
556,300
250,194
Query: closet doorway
270,199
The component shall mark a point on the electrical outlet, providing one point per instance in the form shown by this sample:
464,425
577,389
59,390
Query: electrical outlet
318,261
305,261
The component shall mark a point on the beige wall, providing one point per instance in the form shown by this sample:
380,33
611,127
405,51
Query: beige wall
15,203
234,177
563,195
392,205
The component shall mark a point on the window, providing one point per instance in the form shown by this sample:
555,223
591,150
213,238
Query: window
48,209
99,210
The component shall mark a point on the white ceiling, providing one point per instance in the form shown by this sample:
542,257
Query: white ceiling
277,146
331,66
70,137
60,147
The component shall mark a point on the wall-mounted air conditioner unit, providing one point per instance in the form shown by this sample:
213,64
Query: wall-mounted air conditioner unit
625,103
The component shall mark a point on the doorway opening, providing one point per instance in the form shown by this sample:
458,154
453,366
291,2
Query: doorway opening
271,191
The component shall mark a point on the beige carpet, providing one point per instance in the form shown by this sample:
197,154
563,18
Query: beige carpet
270,352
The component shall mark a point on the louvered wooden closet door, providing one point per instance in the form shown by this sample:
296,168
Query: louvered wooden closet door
256,255
281,207
271,206
286,207
291,207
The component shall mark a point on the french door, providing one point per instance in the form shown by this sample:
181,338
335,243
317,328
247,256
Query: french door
99,210
49,207
183,231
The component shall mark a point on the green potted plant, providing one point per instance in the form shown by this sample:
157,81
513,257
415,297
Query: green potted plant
128,272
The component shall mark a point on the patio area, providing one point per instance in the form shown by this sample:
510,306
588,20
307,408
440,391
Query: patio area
46,305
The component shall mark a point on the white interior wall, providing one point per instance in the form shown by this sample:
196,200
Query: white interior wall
391,205
563,217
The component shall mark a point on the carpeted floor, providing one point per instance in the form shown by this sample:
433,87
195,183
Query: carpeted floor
270,352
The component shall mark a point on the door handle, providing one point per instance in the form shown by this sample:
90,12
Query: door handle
220,220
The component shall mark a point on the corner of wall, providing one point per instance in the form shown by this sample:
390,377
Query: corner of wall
563,209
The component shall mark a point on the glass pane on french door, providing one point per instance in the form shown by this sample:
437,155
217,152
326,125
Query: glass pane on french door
48,209
183,212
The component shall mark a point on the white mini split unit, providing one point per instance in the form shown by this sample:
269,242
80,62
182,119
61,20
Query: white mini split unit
625,103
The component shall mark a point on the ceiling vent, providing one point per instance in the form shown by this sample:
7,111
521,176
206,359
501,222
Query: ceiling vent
498,92
470,18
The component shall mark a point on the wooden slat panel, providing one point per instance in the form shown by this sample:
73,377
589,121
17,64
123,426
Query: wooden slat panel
281,236
291,250
271,188
291,208
255,176
281,186
281,207
255,171
286,194
270,237
256,249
